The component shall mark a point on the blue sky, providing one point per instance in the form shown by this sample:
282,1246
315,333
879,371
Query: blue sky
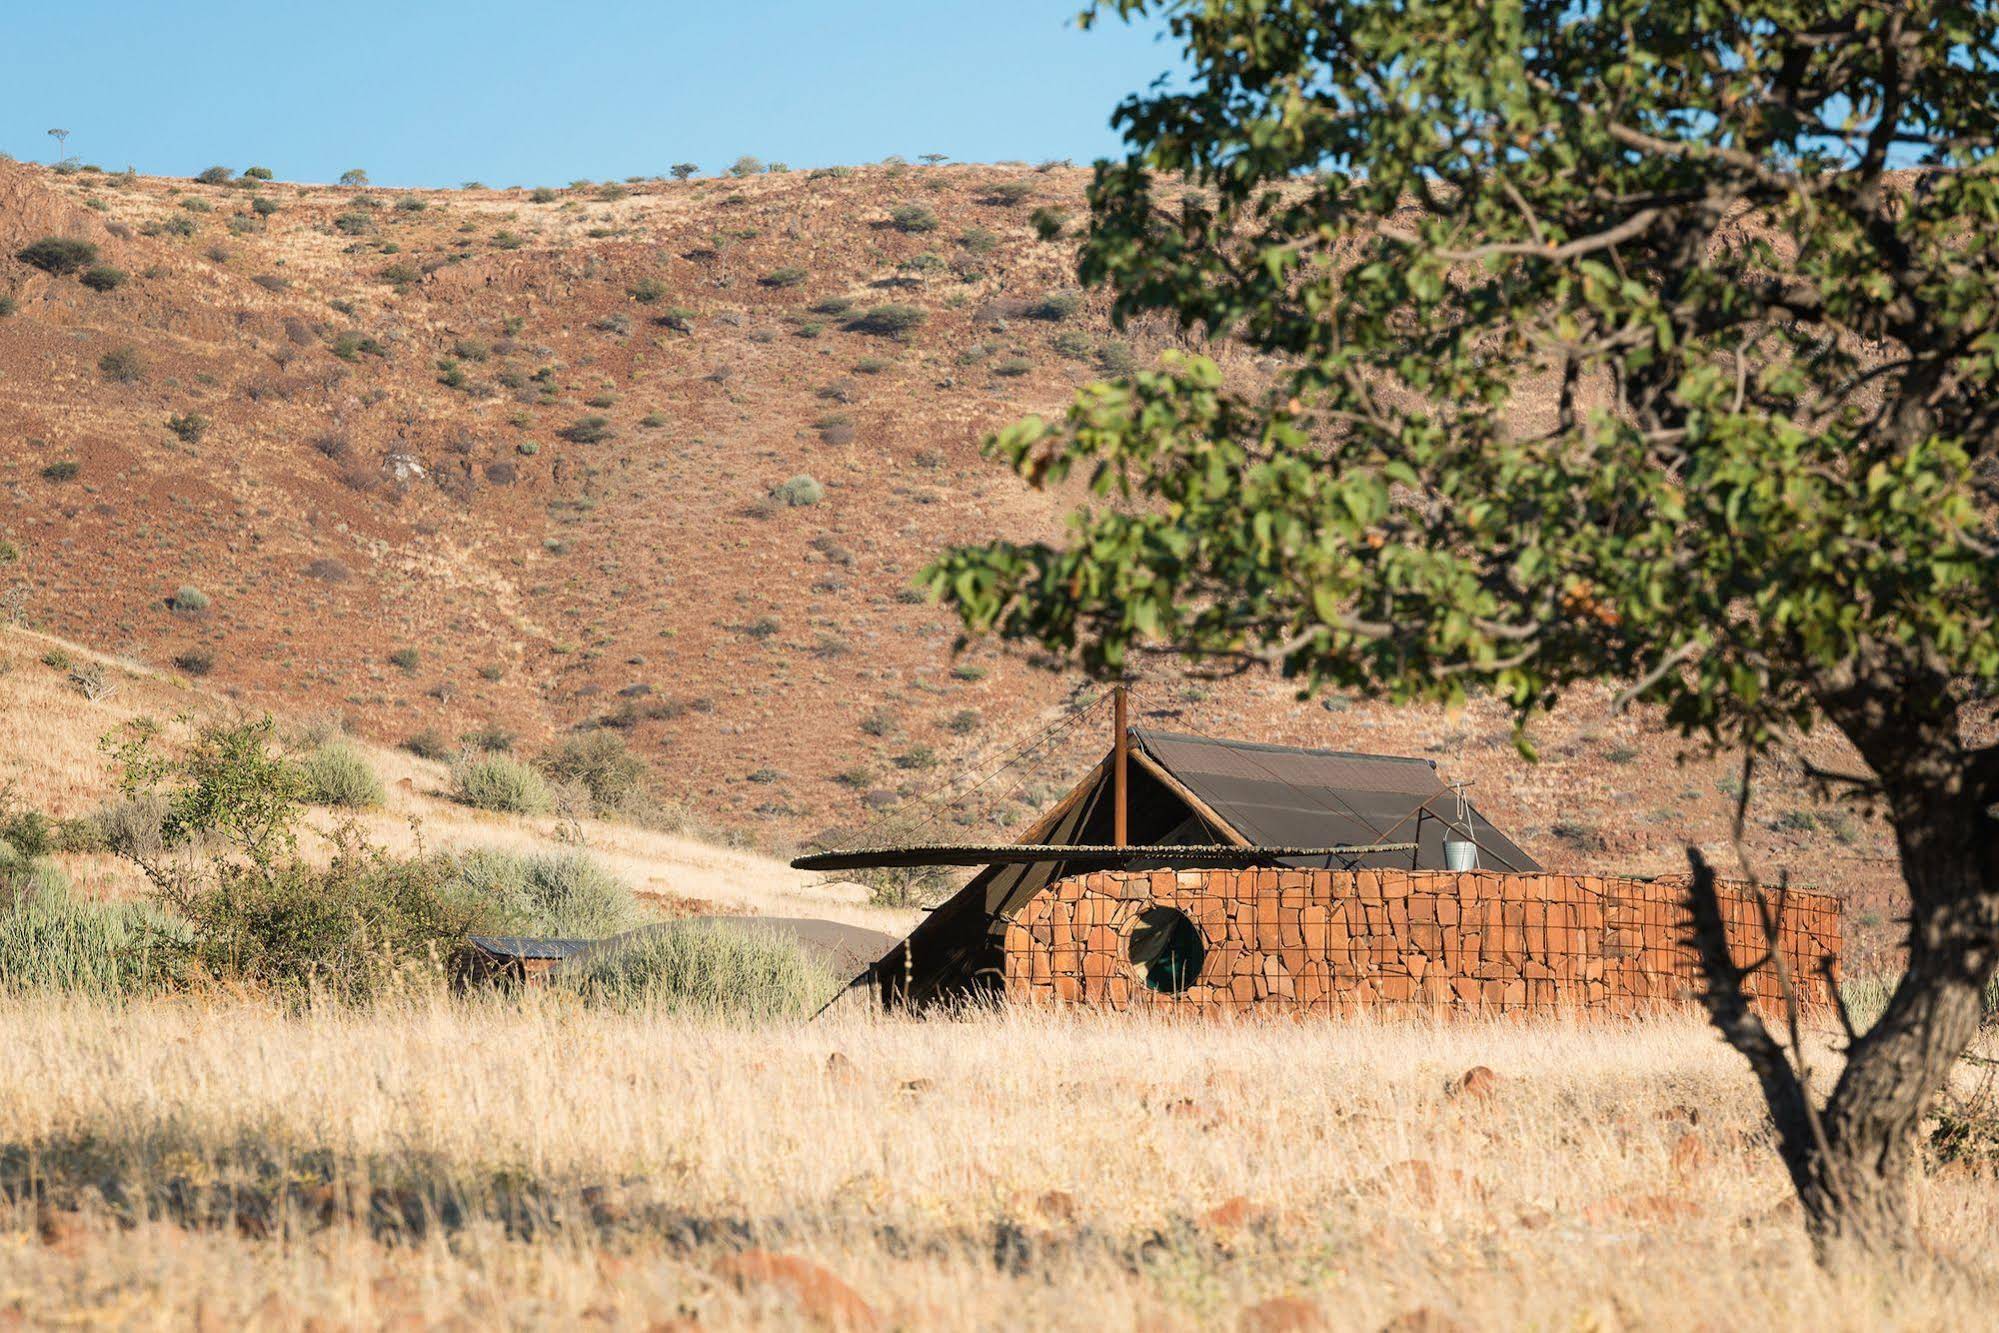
430,93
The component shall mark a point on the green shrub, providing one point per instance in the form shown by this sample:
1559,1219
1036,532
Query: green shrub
831,305
337,774
1116,358
355,176
405,659
1055,306
912,218
647,290
564,894
705,968
789,276
680,171
889,320
979,241
430,743
589,430
189,600
8,305
52,940
602,764
59,255
798,491
103,278
122,365
493,781
63,469
745,166
1013,366
257,173
131,826
189,426
1008,193
1048,222
215,176
195,661
263,208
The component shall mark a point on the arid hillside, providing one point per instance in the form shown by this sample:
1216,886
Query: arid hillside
658,456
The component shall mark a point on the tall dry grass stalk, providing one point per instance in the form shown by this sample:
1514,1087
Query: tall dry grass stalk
540,1163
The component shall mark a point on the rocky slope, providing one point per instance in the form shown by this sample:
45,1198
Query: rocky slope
489,460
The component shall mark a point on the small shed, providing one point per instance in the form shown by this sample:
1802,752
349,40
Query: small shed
519,959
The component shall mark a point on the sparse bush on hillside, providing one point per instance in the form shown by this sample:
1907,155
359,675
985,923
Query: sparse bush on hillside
8,305
746,166
189,426
63,469
979,241
1008,193
356,176
257,173
1048,222
188,600
59,255
647,290
405,659
562,894
354,224
789,276
493,781
122,365
215,176
543,195
708,968
195,661
1055,306
338,774
680,171
410,203
263,208
589,430
889,320
1012,366
799,490
1116,358
602,764
913,218
103,278
430,743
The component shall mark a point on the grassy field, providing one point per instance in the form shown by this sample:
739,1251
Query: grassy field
436,1162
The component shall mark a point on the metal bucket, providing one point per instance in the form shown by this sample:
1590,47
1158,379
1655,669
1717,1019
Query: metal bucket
1460,854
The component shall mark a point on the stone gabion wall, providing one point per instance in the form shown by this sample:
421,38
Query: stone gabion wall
1290,940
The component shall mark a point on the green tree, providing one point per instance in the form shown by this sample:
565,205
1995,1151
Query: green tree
1614,347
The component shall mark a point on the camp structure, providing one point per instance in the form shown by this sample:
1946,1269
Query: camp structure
1231,876
1161,799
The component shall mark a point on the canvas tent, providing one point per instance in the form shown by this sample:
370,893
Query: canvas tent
1227,802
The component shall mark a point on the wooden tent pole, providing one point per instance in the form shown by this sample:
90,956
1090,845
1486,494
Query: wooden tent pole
1120,748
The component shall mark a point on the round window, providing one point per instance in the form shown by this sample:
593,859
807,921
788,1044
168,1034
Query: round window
1166,949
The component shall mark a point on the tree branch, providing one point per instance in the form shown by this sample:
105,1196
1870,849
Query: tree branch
1729,1011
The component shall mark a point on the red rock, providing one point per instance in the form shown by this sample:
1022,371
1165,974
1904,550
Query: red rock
1282,1314
1057,1206
817,1292
1233,1214
1477,1082
1689,1154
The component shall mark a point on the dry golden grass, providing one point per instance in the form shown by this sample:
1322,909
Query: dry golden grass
1019,1169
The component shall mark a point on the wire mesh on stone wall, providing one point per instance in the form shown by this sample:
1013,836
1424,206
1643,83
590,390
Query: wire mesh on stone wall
1327,940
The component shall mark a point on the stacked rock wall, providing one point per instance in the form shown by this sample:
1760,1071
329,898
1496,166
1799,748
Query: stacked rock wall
1339,939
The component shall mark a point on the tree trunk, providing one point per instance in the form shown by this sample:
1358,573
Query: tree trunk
1852,1160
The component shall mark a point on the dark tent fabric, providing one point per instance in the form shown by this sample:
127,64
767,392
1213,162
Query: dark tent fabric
1283,796
1192,790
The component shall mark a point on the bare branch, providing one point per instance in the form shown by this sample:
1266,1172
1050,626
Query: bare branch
1690,648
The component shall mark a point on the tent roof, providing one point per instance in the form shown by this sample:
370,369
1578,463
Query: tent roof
1285,796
